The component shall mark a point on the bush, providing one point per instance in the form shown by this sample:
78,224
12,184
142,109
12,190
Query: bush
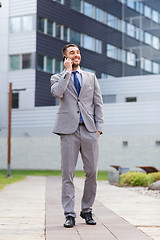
138,178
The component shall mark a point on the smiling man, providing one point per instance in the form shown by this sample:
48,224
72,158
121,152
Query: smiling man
79,123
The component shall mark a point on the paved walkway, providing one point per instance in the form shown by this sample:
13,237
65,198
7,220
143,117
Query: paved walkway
118,211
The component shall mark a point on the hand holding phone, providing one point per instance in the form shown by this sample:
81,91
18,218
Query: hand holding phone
67,63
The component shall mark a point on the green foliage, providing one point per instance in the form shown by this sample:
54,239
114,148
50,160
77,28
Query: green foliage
138,178
4,180
17,175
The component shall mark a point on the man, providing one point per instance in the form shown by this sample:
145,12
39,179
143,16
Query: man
79,124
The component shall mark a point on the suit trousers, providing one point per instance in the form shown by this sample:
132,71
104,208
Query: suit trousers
87,143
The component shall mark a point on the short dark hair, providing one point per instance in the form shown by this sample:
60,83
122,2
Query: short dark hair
67,46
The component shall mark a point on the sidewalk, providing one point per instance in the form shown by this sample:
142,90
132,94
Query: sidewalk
117,210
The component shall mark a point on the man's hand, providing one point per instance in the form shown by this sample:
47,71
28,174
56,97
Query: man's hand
68,64
99,132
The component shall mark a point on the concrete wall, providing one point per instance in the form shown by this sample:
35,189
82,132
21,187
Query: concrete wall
43,152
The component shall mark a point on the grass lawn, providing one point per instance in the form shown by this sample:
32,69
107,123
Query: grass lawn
17,175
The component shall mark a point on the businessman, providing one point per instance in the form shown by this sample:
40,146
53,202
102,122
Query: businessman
79,123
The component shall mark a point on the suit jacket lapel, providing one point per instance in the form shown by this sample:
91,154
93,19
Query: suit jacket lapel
72,85
83,82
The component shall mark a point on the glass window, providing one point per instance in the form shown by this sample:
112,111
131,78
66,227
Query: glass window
137,33
155,68
26,61
147,11
111,20
59,1
75,37
58,30
50,27
49,67
76,5
104,75
103,16
15,25
155,16
131,99
40,62
15,62
155,42
57,66
141,8
123,26
141,35
15,100
97,14
27,23
65,34
119,54
109,98
137,6
111,51
88,9
130,30
131,59
88,42
147,65
119,24
41,24
142,63
98,46
130,3
147,38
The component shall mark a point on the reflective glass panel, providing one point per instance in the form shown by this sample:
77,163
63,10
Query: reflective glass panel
26,61
155,42
76,5
65,38
131,59
15,24
27,23
15,62
155,16
40,62
88,42
49,65
111,20
58,30
147,65
75,37
155,68
147,11
97,14
88,9
15,100
57,66
41,24
111,51
50,27
147,38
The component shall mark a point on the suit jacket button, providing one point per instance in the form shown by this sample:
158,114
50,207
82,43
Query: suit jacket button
78,100
77,111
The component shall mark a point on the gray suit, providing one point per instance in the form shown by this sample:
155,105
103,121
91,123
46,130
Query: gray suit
77,138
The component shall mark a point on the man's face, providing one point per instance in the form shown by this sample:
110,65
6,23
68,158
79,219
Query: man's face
74,54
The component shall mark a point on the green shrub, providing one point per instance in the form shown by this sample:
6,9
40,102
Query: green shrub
138,178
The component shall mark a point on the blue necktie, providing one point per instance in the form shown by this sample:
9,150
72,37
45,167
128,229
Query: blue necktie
78,88
76,83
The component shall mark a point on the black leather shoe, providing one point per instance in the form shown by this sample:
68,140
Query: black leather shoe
70,222
88,218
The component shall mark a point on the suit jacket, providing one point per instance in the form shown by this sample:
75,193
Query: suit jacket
89,103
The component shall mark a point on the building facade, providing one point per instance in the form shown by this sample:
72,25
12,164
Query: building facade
117,38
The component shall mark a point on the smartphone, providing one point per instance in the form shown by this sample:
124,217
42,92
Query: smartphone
64,58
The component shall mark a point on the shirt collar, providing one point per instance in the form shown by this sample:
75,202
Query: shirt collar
78,70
